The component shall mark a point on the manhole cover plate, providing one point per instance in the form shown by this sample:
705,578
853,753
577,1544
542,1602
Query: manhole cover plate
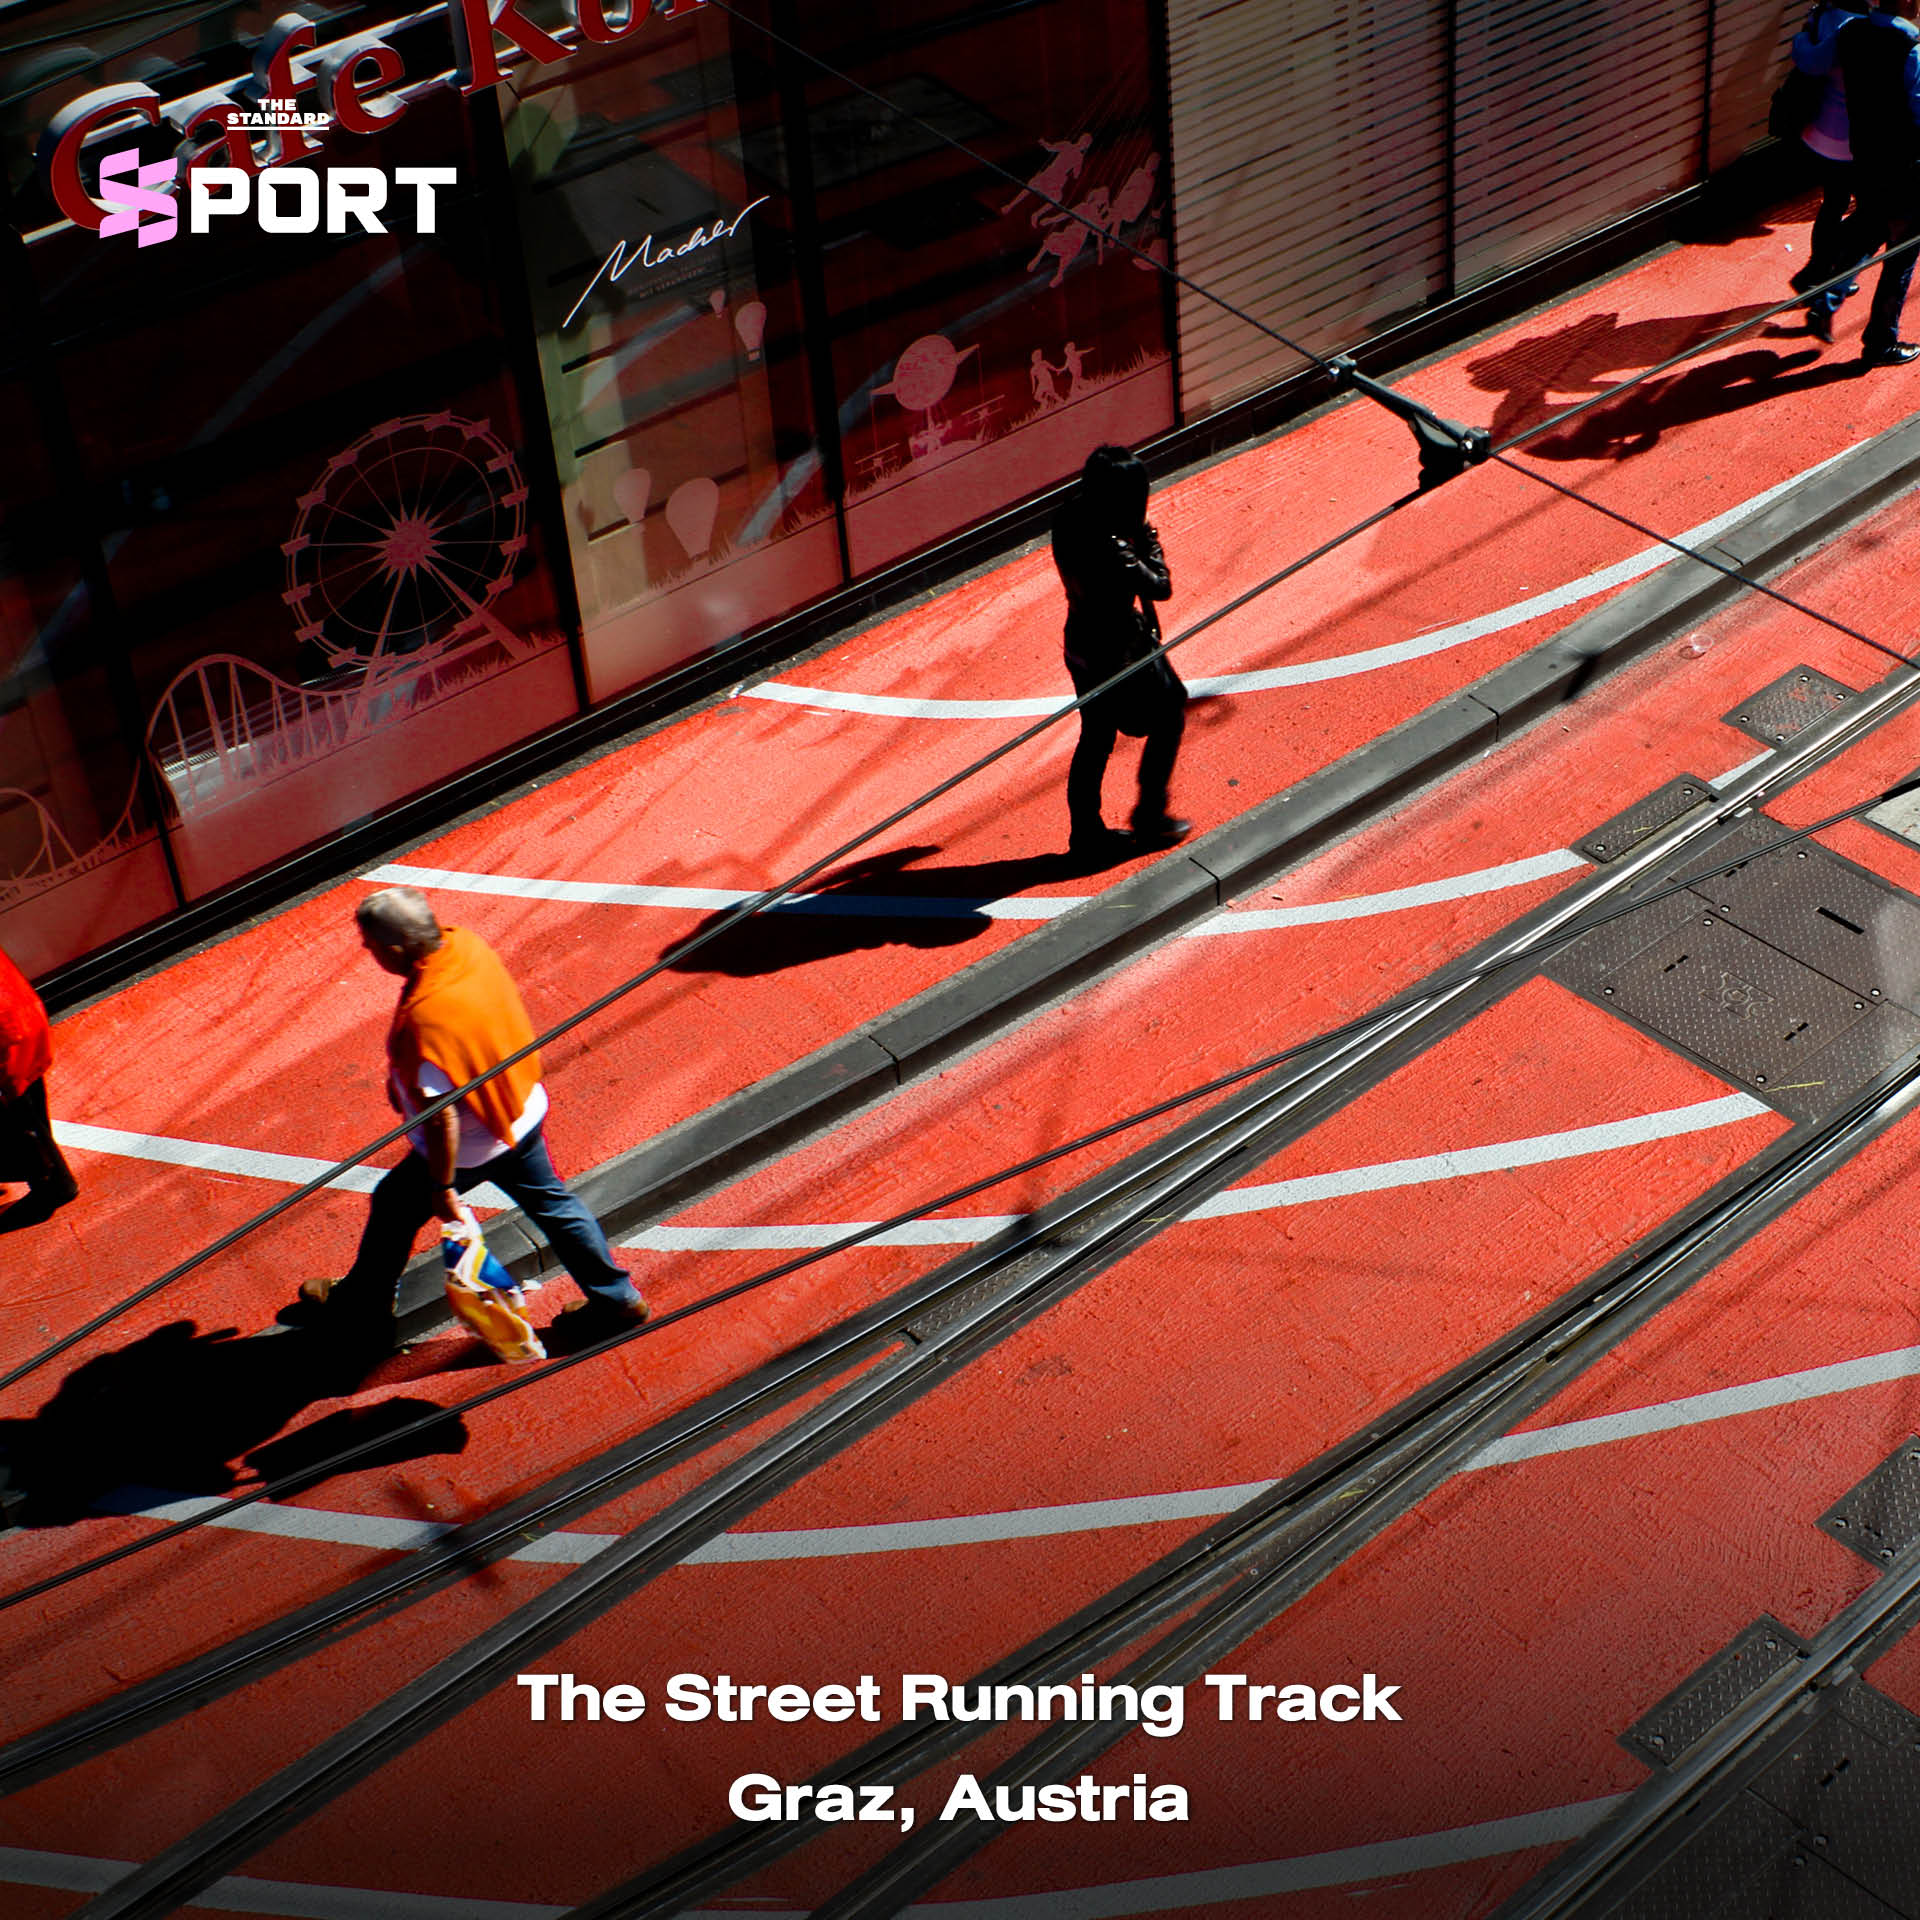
1790,705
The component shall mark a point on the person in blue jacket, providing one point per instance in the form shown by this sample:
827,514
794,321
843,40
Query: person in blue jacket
1877,57
1825,139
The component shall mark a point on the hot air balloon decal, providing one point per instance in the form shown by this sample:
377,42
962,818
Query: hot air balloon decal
630,493
691,508
750,323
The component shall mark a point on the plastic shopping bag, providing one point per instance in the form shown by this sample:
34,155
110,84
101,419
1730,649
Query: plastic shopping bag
480,1292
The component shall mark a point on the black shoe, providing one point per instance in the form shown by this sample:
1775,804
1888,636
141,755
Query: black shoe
587,1323
1160,830
1895,353
1820,325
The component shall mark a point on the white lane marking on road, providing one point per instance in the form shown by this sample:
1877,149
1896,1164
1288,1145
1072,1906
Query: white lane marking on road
1347,1866
976,1529
1754,1396
1306,672
291,1168
1460,1163
1498,1158
602,893
1357,906
295,1899
75,1873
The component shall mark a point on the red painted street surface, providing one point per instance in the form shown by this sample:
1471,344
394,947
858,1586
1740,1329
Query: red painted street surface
1528,1611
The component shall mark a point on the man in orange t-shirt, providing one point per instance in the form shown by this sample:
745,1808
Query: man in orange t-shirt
27,1148
460,1014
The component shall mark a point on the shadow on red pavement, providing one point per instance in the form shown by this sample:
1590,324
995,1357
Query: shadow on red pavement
884,902
184,1411
1539,376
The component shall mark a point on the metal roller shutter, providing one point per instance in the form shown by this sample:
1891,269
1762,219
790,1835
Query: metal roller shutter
1750,54
1309,162
1568,117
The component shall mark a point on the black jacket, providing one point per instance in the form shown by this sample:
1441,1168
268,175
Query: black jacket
1106,577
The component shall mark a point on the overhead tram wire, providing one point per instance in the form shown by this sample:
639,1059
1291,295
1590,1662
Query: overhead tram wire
733,917
1112,1221
774,896
1349,1031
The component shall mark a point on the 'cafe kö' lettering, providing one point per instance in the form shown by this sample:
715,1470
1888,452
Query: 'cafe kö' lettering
354,80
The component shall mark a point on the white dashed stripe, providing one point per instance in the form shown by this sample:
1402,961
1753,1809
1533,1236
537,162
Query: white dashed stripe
1460,1163
1499,1158
248,1162
74,1873
295,1899
606,893
901,1536
1357,906
1212,1887
1307,672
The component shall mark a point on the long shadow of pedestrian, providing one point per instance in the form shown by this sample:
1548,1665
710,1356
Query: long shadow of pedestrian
177,1409
879,903
1540,375
1634,423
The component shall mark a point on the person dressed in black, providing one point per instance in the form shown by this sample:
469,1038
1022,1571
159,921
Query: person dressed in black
1876,56
1113,571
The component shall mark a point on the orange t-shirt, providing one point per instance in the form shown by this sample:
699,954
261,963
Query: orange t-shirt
462,1013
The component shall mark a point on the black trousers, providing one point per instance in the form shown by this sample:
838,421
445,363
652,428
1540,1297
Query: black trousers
1088,772
28,1150
1886,211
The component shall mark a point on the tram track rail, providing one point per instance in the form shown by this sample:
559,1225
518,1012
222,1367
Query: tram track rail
982,1297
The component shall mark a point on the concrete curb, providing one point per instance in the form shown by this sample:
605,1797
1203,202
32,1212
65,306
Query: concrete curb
755,1125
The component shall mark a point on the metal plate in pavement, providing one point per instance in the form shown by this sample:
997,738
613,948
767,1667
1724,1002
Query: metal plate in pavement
1789,705
1705,1698
1854,1797
1734,1001
1880,1516
1661,808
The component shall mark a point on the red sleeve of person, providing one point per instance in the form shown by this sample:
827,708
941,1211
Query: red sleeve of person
26,1042
28,1150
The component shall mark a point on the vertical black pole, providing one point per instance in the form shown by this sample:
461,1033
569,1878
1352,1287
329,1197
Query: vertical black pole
1160,107
803,216
507,260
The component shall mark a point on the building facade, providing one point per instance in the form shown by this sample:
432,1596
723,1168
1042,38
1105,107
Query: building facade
576,344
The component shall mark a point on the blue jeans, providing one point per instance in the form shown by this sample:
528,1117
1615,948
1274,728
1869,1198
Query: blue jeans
1885,212
403,1204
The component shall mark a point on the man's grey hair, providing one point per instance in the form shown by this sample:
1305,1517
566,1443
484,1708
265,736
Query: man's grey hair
400,918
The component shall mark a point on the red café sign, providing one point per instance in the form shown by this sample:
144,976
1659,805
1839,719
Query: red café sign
355,80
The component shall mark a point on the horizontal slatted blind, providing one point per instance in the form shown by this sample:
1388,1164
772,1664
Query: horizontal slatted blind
1750,55
1569,116
1309,168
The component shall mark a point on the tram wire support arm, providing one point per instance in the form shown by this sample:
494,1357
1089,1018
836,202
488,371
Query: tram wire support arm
1446,447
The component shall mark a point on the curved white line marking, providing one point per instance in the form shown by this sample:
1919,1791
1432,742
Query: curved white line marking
1357,906
1550,1826
1032,1523
1306,672
604,893
254,1164
965,1230
1030,906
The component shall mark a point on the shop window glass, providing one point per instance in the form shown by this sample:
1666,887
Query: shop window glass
982,342
306,466
80,861
677,378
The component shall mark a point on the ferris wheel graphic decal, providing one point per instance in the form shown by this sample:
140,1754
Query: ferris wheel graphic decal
405,540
